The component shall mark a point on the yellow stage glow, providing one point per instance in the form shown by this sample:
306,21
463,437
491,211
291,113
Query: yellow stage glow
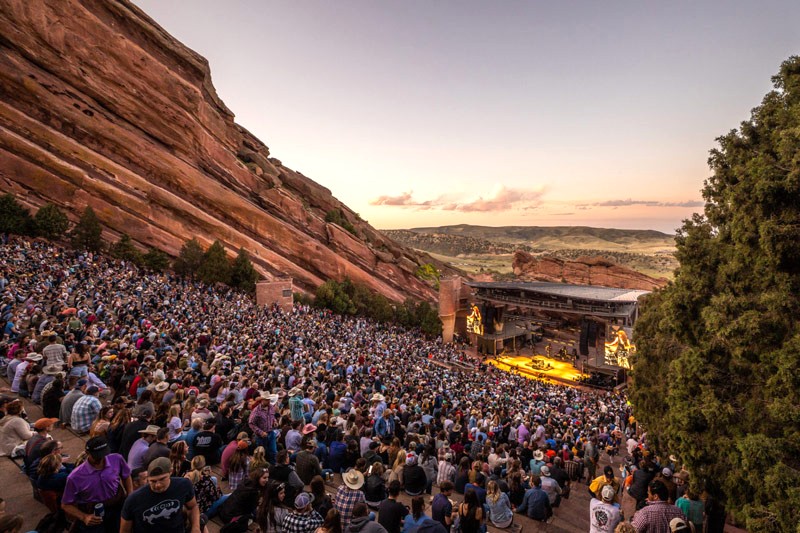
532,368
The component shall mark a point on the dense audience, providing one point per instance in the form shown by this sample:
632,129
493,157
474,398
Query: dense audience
168,378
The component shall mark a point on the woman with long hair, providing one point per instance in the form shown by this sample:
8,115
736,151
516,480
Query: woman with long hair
332,524
516,489
471,513
396,473
117,427
99,427
244,500
413,519
206,490
174,422
259,459
239,464
462,475
499,505
374,485
177,456
51,474
272,509
322,501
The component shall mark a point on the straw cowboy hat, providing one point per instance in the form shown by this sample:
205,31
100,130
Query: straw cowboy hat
377,397
353,479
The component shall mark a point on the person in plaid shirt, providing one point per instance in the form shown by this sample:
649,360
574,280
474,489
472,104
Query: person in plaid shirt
303,519
85,410
657,514
349,495
261,421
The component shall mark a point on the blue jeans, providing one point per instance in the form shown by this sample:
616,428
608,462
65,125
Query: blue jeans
270,444
214,509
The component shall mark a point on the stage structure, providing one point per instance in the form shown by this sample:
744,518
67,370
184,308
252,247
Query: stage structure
504,315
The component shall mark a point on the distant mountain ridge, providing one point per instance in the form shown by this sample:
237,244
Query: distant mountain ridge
555,237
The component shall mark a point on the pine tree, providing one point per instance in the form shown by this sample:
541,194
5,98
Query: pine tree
124,249
190,259
87,232
14,217
215,267
243,274
155,259
50,222
717,373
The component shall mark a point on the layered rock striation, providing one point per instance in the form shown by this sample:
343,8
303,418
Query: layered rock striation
582,271
100,106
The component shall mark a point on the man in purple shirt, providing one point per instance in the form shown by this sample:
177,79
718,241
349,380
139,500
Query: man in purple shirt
140,447
104,478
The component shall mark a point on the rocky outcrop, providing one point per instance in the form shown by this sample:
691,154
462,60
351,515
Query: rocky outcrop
582,271
100,106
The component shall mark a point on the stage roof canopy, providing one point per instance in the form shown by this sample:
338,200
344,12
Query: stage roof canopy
563,290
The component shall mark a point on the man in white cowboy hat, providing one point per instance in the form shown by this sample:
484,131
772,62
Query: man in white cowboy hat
348,495
31,359
49,374
378,402
262,421
537,462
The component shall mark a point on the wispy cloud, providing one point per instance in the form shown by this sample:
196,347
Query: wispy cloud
648,203
501,198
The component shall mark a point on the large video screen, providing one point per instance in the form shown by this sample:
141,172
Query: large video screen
619,346
474,321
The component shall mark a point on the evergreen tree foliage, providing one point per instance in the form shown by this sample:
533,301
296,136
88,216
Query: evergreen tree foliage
50,222
155,259
428,272
190,259
332,295
243,274
717,374
124,249
87,232
14,217
215,267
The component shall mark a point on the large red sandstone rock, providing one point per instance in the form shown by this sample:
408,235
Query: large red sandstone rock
100,106
582,271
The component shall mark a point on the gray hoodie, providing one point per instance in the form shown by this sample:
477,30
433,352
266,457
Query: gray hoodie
363,524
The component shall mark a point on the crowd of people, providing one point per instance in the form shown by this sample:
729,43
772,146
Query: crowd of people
173,381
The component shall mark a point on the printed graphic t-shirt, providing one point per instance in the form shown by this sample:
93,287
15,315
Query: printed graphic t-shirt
152,511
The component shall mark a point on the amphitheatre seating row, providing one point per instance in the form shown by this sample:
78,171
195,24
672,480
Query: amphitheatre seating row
572,516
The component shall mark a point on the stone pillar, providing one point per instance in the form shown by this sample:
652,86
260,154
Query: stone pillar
280,291
449,293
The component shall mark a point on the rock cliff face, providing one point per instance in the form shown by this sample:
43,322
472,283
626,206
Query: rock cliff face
582,271
100,106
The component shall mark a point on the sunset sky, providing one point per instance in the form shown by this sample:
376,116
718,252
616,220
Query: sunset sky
418,113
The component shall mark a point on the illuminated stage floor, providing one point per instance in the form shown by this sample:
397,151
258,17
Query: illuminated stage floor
561,371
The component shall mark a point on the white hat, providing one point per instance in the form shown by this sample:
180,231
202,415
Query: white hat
608,493
33,356
353,479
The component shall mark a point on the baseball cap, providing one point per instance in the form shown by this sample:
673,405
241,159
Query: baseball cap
158,467
545,471
667,473
92,390
303,499
97,447
607,493
679,525
608,471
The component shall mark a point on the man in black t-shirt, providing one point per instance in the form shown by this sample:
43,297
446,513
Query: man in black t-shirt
158,506
391,512
208,444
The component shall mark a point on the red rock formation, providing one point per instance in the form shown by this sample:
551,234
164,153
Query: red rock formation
100,106
582,271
